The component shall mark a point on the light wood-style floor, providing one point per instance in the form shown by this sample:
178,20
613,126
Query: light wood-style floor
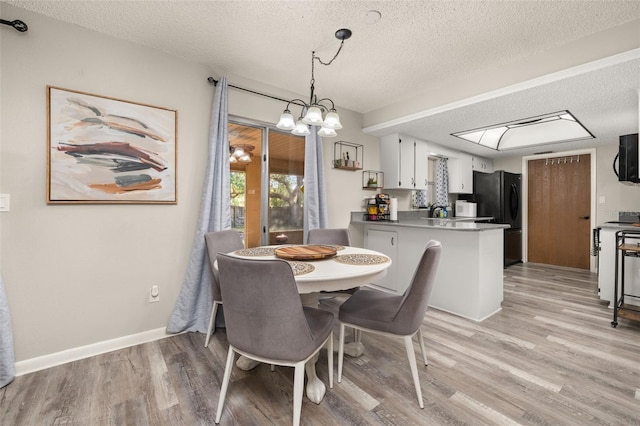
550,357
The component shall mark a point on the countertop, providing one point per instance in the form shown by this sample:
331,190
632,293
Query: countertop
452,224
620,226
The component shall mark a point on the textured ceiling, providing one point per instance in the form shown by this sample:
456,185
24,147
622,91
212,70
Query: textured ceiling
416,47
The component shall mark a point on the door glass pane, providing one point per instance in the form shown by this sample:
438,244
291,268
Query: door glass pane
286,173
238,185
283,209
245,144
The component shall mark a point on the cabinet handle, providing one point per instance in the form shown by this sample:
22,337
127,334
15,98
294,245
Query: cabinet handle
391,240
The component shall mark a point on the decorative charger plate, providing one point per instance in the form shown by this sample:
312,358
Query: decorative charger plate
361,259
333,246
300,268
255,251
308,252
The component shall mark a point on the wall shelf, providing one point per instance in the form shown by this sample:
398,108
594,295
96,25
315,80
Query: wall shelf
347,155
372,179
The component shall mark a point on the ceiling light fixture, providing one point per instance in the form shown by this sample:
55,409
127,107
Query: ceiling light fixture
240,153
559,126
311,113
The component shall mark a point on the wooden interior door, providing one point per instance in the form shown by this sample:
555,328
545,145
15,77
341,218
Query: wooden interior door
559,205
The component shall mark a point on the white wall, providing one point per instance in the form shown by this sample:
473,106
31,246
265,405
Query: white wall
76,275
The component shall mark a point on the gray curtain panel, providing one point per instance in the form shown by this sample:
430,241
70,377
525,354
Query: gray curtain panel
442,183
315,198
7,356
193,306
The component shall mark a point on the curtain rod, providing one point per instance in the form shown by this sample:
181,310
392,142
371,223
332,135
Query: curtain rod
213,81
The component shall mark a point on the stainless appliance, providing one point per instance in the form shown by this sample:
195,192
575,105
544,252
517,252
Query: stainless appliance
498,195
628,166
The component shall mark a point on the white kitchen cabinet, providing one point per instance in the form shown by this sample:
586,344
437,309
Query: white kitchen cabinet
460,174
385,242
482,164
404,162
421,164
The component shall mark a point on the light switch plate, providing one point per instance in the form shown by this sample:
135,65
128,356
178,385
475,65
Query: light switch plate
4,202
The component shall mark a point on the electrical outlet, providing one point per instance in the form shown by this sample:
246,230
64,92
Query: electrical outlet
4,202
154,294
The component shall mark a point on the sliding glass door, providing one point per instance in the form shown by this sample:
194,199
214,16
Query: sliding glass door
267,171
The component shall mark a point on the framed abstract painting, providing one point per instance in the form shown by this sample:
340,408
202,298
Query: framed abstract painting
106,150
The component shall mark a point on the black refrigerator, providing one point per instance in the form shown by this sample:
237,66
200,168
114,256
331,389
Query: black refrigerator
498,196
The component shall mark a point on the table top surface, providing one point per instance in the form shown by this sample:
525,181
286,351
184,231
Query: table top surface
351,267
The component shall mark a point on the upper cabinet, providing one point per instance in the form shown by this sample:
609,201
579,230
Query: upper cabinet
404,162
481,164
460,173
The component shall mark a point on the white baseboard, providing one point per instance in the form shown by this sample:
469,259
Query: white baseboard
51,360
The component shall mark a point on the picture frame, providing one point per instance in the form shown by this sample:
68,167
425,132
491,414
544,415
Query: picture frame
104,150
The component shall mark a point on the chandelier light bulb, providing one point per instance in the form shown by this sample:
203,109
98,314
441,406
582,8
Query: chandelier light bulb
287,122
313,116
332,121
301,129
326,132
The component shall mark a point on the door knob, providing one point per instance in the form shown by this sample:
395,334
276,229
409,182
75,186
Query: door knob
585,217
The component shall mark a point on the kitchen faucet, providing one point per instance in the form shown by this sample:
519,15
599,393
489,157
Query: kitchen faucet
437,209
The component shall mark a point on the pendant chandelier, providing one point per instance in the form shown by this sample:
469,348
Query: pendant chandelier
312,113
240,153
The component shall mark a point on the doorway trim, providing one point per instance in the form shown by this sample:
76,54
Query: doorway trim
525,195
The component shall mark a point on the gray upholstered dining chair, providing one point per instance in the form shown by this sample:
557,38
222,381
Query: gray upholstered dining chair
218,242
266,321
394,315
337,236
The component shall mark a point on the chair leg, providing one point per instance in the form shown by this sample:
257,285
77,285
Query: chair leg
330,359
212,320
414,368
225,384
340,352
298,385
424,352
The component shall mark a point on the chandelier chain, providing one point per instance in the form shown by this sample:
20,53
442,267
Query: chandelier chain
313,58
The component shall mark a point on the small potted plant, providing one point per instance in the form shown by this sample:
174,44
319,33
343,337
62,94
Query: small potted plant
372,183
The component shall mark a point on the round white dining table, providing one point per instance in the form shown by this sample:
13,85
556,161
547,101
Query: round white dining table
351,267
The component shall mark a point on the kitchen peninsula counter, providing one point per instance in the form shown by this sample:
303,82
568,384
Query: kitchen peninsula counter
453,224
469,281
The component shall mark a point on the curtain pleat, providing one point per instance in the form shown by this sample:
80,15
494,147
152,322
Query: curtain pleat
193,307
442,183
7,356
315,199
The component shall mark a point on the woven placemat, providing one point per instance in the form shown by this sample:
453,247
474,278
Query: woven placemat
256,251
333,246
300,268
361,259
